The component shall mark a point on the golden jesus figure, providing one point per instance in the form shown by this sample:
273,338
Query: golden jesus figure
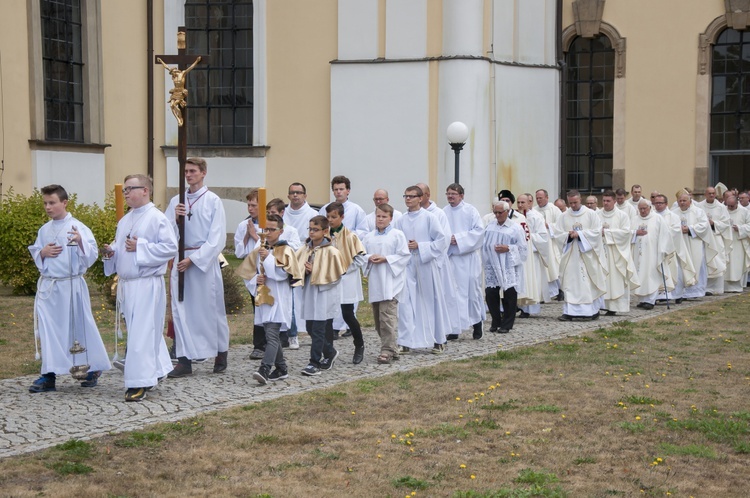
178,94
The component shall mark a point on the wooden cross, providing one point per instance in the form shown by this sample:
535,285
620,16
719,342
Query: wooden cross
178,103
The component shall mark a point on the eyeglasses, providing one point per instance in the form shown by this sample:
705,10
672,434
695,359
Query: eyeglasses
271,230
127,190
296,192
409,196
498,212
315,230
376,199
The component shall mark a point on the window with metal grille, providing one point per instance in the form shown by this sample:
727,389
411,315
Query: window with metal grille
589,115
63,69
730,108
220,94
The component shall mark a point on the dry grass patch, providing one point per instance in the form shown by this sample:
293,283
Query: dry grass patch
655,408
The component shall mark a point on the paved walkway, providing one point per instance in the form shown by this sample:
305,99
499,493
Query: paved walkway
30,422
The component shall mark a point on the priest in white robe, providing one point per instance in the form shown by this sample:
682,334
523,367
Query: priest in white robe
680,266
623,204
551,213
718,218
144,243
378,198
200,320
738,261
64,249
423,314
535,268
652,250
582,271
465,260
635,196
616,237
700,243
504,252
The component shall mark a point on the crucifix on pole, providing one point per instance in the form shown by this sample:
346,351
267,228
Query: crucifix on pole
178,104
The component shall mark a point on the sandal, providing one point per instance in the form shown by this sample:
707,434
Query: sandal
384,359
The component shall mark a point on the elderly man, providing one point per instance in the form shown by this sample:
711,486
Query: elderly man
738,260
718,218
503,253
551,213
379,198
616,237
701,244
535,268
592,203
623,204
744,198
652,250
582,271
464,257
680,266
560,204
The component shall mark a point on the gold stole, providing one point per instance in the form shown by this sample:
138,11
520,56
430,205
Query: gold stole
327,265
348,245
285,259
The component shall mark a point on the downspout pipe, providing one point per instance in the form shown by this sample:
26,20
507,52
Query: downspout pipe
563,76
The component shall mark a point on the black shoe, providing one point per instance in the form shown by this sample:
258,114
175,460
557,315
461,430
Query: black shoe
257,354
135,394
311,370
348,333
452,337
478,331
524,315
43,384
261,375
595,316
678,301
504,331
359,355
92,379
647,306
565,318
182,369
327,363
560,296
610,313
709,293
639,305
278,374
493,329
438,349
220,363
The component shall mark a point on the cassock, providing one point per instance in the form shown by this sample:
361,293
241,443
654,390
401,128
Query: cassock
141,292
722,228
738,260
582,271
371,219
701,246
465,261
551,213
651,255
423,318
543,253
201,328
300,219
529,300
62,305
681,266
354,218
449,281
386,281
616,237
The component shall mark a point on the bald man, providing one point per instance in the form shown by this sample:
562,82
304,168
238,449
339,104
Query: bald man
378,198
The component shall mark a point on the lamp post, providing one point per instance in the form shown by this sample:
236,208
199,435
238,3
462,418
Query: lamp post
458,133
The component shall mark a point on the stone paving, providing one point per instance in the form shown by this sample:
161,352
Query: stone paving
30,422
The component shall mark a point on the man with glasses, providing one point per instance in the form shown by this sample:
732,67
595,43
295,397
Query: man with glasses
144,243
380,197
652,250
201,328
680,266
618,257
298,213
423,317
504,251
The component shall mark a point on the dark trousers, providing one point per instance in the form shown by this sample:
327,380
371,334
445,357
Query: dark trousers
505,319
259,333
321,334
347,313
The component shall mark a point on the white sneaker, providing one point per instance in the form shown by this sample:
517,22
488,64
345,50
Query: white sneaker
293,343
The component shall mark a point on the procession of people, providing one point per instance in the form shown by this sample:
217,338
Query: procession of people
432,273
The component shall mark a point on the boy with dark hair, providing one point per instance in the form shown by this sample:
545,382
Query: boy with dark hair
320,299
353,257
64,249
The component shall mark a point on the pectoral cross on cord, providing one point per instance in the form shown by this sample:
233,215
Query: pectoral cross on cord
190,204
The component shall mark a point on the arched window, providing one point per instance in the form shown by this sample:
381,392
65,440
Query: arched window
589,115
730,108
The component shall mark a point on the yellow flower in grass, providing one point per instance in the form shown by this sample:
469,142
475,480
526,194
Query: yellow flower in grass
462,466
637,418
473,476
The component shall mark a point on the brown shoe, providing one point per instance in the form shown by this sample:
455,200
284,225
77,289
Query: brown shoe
220,363
182,369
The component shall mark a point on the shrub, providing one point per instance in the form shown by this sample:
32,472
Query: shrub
20,219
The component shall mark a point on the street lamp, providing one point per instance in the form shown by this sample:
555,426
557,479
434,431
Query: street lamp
458,133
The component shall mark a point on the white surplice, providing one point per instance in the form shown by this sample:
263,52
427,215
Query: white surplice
62,305
449,282
701,246
300,219
201,328
738,261
628,208
371,219
551,213
141,292
681,266
385,281
717,212
651,255
465,260
423,318
622,277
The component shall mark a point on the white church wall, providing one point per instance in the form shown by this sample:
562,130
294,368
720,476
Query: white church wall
405,29
379,128
358,29
79,173
463,27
